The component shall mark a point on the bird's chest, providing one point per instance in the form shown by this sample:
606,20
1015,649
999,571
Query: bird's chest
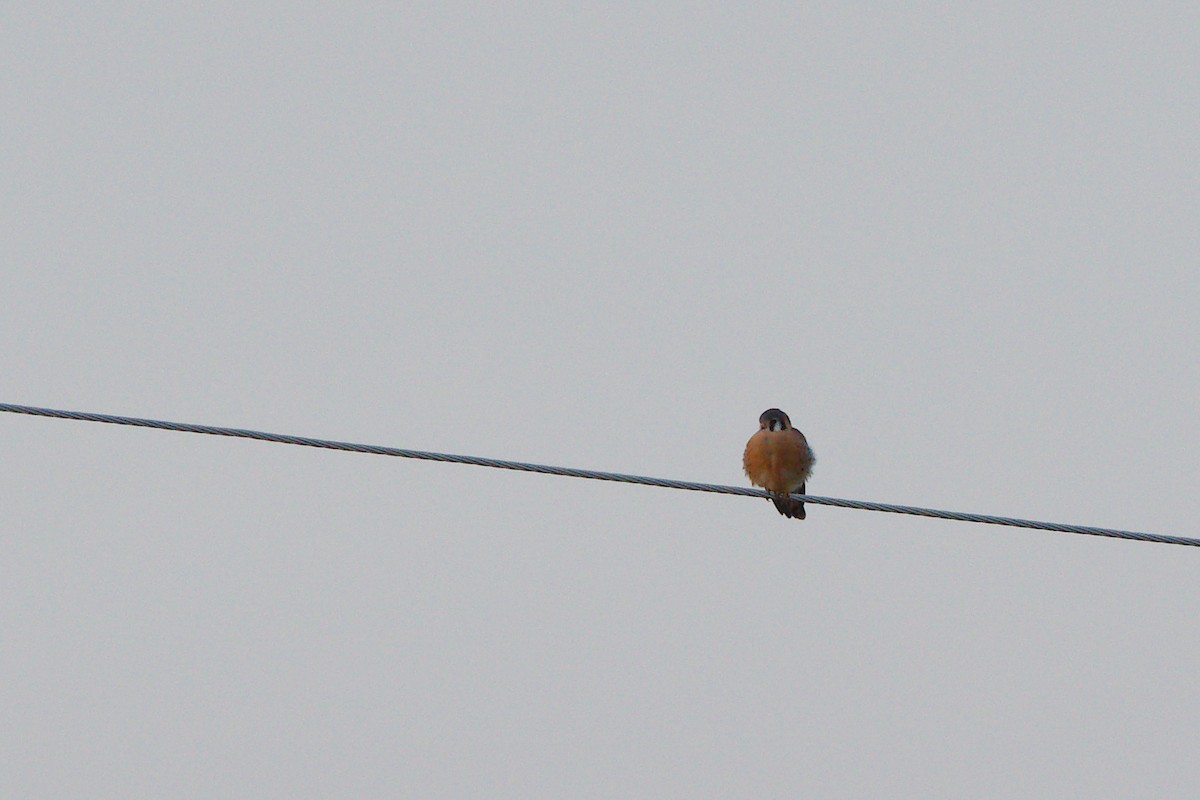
776,460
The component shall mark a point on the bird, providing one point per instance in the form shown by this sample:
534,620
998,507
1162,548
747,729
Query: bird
778,459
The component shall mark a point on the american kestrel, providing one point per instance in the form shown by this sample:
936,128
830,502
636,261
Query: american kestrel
778,459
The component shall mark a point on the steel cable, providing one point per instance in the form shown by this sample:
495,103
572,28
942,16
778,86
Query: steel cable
571,472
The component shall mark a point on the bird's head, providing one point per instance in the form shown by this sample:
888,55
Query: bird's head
774,420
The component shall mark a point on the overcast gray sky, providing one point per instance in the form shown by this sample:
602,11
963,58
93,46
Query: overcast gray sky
958,245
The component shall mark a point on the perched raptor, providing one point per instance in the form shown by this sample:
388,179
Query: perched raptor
778,459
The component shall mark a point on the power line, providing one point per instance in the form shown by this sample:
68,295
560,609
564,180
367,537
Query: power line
570,472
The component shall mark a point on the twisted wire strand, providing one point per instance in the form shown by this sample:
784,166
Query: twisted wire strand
571,472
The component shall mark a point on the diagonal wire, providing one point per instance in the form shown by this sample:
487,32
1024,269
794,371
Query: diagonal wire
571,472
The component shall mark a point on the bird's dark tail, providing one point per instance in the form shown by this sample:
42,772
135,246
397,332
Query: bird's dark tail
793,509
